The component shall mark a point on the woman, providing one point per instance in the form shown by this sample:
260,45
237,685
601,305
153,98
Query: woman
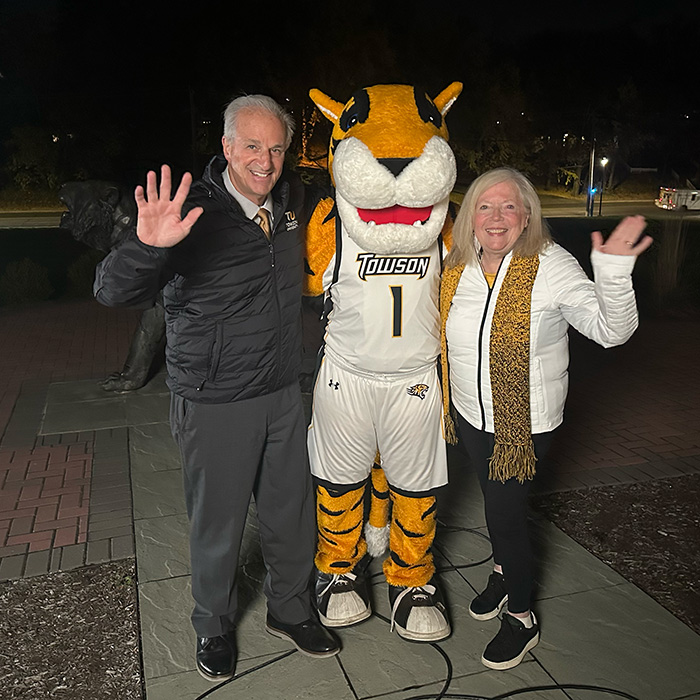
509,294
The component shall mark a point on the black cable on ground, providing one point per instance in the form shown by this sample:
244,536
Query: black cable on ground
530,689
269,662
443,694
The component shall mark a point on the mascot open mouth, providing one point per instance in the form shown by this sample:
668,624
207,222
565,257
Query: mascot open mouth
396,215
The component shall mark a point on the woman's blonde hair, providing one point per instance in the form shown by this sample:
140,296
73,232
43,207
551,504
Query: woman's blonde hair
534,238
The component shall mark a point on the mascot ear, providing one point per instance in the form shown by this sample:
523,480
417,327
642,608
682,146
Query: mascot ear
329,107
447,97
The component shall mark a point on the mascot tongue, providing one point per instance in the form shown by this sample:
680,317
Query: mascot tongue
395,215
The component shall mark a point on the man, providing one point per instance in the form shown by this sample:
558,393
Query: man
231,272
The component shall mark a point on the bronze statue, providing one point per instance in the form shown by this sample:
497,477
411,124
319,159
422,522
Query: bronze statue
101,215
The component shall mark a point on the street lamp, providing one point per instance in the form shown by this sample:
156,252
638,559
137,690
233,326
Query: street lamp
590,198
603,162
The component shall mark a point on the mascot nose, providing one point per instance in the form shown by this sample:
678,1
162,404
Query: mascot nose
395,165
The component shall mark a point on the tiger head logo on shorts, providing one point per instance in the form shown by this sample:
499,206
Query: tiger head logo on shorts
418,390
391,165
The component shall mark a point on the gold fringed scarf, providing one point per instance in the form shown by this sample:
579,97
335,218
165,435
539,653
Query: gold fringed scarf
509,367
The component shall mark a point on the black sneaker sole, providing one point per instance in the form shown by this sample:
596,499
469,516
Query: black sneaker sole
511,663
491,613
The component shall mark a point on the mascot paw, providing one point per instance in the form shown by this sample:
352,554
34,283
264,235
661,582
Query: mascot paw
418,613
122,383
377,540
342,599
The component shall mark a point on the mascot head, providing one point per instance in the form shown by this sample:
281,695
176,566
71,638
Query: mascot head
391,165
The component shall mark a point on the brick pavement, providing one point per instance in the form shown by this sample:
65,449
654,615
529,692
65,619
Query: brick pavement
632,412
65,499
51,486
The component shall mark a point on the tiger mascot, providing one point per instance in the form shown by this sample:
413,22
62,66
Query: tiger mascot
374,250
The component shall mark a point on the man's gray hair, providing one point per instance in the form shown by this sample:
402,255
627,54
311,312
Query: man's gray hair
259,103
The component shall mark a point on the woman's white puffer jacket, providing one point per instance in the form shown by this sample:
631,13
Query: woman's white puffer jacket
562,295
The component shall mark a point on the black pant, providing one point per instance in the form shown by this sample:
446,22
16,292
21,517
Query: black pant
505,505
230,452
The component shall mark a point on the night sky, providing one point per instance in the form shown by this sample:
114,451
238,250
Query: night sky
134,81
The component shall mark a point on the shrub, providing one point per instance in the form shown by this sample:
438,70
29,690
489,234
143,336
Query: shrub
25,281
81,274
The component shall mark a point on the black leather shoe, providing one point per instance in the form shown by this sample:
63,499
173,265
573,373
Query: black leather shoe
216,657
309,637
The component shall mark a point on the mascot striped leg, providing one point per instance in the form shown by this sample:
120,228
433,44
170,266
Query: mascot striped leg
417,607
342,595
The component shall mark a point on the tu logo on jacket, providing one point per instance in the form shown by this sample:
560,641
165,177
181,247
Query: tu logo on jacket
290,223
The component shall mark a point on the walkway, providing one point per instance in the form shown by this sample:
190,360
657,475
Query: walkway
89,477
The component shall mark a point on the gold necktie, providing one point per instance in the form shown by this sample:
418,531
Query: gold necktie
264,222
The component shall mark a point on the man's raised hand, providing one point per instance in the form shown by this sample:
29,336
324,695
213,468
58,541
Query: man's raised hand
159,222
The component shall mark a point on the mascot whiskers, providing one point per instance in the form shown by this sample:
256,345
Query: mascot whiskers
375,251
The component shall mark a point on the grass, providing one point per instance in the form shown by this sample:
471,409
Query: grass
15,200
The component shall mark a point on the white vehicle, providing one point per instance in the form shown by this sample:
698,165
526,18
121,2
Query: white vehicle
671,198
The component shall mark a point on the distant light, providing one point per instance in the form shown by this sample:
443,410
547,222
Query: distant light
594,190
54,138
604,161
498,122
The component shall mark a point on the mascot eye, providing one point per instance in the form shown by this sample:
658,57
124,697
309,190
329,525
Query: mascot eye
349,119
426,109
357,112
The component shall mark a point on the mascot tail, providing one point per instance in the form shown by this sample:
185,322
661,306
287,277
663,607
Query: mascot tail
377,526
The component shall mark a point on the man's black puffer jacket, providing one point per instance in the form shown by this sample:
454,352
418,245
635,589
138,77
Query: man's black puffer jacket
232,298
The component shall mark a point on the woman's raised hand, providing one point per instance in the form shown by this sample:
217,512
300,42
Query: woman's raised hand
626,239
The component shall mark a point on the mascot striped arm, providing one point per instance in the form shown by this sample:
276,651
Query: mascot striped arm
374,250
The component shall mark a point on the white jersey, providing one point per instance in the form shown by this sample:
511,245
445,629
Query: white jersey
385,308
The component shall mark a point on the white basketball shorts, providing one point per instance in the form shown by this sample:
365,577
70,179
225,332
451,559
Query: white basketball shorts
400,415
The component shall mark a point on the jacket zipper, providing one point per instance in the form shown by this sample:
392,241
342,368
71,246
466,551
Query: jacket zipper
214,356
480,356
277,309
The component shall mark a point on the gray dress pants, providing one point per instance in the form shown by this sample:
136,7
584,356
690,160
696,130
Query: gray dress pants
230,452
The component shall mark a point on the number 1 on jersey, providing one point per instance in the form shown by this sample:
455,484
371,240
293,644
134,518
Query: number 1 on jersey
396,293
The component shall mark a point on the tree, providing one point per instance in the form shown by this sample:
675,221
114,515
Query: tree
33,158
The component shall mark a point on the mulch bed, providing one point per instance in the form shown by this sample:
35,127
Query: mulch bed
648,532
71,635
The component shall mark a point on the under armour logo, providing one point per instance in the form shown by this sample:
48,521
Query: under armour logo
334,385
